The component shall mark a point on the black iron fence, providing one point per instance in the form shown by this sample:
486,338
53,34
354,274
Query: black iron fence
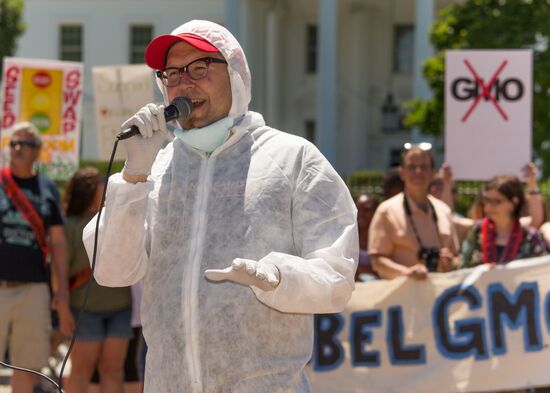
466,191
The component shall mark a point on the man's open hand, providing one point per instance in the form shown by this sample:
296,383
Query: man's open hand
265,276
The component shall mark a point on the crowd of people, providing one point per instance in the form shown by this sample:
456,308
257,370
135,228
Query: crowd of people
43,258
415,229
238,232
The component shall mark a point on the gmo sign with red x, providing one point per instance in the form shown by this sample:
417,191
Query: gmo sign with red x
488,111
474,88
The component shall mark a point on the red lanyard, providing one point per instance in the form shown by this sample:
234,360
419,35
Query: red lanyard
21,202
80,278
488,242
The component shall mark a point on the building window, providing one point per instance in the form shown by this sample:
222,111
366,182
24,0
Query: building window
403,45
70,43
310,130
140,36
311,49
395,157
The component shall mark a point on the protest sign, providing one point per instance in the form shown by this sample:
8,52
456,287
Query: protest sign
119,91
488,112
49,94
463,331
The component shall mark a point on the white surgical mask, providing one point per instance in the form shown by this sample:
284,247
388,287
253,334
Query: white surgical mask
207,138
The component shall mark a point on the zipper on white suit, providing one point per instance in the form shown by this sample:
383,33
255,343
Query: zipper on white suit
191,280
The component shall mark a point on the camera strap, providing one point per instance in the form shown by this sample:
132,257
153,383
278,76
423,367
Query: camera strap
410,217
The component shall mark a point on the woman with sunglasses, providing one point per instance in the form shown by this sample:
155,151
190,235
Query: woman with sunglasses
500,237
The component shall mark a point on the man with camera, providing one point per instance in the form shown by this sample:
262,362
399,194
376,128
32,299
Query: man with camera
412,233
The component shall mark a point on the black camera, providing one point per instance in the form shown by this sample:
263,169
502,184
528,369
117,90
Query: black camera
431,256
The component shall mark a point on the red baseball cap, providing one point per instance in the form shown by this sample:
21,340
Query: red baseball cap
157,50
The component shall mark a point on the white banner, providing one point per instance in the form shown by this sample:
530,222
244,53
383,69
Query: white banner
49,94
119,91
466,331
488,112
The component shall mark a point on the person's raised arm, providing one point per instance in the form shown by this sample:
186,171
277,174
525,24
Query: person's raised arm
533,197
447,194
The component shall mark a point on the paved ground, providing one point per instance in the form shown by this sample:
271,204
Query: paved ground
5,373
4,380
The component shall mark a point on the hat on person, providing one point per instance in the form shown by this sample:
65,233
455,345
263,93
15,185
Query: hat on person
157,50
208,35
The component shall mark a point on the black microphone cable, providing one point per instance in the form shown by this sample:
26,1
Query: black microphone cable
59,384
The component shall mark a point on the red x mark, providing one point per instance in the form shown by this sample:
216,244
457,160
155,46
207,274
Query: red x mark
485,90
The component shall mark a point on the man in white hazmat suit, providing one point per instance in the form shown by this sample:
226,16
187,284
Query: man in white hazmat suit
240,232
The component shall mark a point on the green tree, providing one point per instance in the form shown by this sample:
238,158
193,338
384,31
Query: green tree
11,26
482,24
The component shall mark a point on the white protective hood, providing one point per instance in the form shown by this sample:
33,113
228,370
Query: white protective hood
237,66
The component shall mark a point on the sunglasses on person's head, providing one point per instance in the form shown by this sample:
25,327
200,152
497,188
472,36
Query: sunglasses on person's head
425,146
30,144
422,146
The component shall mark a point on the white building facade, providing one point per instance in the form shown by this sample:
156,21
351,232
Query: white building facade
322,69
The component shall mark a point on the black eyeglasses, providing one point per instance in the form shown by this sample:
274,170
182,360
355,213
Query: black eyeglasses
196,70
30,144
492,201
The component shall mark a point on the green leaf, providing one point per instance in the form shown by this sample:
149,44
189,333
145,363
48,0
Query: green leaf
11,26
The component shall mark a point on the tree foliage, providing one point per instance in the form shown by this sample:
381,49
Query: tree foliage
482,24
11,26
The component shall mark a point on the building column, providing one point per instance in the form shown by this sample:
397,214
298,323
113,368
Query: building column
246,21
424,18
233,17
273,61
327,100
359,73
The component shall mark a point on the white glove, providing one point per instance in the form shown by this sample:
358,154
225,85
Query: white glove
142,150
265,276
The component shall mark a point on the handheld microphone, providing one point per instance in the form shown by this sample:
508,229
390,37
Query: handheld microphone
179,109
